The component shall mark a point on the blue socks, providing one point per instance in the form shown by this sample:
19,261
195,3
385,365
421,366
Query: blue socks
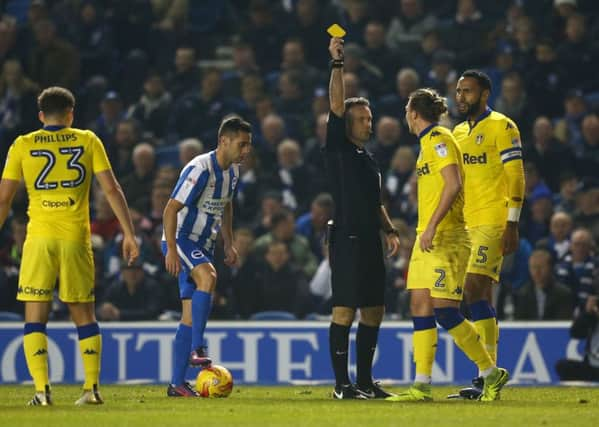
200,310
182,350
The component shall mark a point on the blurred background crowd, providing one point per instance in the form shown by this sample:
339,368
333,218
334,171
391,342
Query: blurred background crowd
153,79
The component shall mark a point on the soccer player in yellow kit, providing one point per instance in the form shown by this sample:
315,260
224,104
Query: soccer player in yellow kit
493,196
438,263
57,163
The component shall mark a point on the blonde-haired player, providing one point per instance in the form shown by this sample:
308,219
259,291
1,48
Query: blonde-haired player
438,263
57,163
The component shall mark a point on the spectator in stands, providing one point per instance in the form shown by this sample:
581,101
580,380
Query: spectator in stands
10,263
585,327
18,108
188,149
369,75
462,35
558,241
8,40
548,153
273,132
135,296
54,61
137,185
264,33
104,223
398,175
580,267
320,285
387,138
198,113
126,137
514,274
291,179
152,109
271,203
567,128
588,160
185,78
407,29
93,36
294,58
283,230
565,200
543,298
307,23
540,205
161,192
407,81
278,283
577,53
313,224
233,283
355,16
442,71
111,113
292,102
244,64
587,207
546,79
377,53
513,101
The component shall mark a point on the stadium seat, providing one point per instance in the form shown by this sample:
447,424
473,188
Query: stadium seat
273,315
9,316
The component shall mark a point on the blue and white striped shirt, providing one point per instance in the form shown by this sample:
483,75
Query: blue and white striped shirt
205,189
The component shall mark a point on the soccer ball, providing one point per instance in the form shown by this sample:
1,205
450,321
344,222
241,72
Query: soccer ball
214,381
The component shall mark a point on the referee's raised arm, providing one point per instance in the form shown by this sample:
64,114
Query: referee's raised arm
336,86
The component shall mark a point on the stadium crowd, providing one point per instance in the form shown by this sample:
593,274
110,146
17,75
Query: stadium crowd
154,78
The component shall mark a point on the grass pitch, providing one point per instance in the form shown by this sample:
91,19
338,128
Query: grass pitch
147,405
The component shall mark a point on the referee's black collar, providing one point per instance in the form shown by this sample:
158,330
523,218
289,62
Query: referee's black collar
54,128
427,130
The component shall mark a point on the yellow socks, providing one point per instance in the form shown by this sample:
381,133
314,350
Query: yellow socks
35,345
90,346
425,346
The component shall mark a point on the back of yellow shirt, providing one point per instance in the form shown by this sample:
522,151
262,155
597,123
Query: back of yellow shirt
438,149
57,164
492,141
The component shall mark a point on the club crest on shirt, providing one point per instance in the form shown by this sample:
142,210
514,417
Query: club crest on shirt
441,149
479,139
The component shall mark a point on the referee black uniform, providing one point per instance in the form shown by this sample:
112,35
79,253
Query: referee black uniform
355,249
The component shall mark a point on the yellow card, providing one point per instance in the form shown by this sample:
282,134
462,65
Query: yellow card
336,30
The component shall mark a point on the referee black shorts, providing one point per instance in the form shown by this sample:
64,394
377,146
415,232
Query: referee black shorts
357,269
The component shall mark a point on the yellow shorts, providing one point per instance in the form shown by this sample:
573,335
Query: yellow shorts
46,260
444,268
487,250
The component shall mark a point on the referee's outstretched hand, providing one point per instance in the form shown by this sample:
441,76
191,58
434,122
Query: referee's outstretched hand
336,48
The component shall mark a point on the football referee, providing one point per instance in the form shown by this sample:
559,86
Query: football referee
356,253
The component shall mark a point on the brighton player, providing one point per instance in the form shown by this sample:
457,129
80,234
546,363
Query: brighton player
200,206
57,164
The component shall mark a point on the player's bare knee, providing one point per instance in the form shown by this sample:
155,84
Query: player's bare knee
372,316
343,315
204,279
476,288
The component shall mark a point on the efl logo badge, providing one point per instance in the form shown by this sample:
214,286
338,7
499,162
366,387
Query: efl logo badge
441,149
516,142
479,139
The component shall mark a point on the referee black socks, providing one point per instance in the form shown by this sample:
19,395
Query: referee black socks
366,340
338,347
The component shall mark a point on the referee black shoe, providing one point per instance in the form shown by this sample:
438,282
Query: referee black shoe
347,391
374,391
470,393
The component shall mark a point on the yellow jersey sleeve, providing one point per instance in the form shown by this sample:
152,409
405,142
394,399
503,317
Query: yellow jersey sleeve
438,149
13,168
100,160
509,146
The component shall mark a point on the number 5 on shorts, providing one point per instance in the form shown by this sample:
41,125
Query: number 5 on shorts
482,256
